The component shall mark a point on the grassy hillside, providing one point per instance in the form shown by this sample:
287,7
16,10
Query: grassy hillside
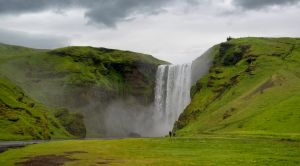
253,88
23,118
121,72
112,70
84,80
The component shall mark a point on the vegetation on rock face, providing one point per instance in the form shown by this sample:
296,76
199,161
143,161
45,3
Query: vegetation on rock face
81,79
252,88
122,72
23,118
73,122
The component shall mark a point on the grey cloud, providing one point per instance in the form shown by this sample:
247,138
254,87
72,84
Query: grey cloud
113,11
259,4
32,40
107,12
28,6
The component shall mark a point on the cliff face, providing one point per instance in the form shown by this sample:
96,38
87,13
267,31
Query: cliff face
252,88
84,80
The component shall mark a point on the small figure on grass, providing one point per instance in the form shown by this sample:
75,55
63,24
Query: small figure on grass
172,134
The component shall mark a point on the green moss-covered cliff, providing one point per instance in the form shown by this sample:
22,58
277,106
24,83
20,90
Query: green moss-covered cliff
83,80
21,117
252,88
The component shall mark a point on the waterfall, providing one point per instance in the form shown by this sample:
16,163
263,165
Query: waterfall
172,94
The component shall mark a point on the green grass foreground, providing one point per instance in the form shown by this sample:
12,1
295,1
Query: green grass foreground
165,151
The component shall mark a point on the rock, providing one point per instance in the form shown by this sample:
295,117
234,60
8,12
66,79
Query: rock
13,118
31,105
73,122
134,135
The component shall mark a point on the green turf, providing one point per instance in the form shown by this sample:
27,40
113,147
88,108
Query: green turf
165,151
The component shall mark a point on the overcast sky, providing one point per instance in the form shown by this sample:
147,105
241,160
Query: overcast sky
174,30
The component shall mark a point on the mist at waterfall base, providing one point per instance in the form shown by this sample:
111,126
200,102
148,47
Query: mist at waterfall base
172,95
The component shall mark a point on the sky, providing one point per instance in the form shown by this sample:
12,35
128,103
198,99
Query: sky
177,31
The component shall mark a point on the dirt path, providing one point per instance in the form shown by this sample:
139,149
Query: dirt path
49,160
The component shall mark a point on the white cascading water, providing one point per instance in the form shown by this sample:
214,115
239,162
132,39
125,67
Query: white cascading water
172,95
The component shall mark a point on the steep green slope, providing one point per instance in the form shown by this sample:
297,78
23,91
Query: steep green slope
253,88
121,72
23,118
82,79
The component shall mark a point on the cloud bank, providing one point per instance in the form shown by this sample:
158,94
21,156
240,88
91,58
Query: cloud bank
32,40
107,12
259,4
111,12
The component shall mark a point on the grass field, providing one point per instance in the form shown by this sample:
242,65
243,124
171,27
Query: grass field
159,151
